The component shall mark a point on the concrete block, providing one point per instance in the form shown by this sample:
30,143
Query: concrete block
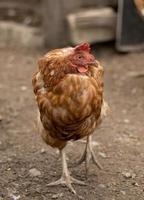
92,25
17,35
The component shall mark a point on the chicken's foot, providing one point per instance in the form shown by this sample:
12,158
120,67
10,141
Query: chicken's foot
89,155
66,179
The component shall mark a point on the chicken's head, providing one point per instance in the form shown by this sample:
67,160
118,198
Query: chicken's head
56,64
81,57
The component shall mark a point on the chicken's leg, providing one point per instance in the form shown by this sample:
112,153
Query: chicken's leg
66,179
88,155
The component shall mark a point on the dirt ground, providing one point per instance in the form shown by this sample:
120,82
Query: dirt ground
119,141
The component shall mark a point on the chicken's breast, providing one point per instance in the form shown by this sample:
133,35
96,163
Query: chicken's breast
72,109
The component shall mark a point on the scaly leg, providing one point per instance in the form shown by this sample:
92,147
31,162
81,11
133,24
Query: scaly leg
88,155
66,179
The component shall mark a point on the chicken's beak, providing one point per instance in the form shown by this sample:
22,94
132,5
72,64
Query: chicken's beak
93,63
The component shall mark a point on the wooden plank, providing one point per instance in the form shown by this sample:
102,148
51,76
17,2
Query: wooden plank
96,17
100,3
92,25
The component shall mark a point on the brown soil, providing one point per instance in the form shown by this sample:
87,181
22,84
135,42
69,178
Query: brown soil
120,139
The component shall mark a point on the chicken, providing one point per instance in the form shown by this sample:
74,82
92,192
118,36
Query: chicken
68,87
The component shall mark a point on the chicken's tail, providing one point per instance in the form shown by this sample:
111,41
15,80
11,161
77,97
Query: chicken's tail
105,109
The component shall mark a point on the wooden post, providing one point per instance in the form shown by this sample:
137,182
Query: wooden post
55,28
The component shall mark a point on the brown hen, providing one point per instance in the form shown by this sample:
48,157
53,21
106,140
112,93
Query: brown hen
69,92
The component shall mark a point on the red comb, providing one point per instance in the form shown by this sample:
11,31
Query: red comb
83,47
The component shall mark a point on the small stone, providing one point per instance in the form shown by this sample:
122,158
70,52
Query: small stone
56,196
127,121
95,143
42,151
23,88
129,175
14,197
126,174
101,186
103,155
123,192
80,197
1,118
135,184
34,172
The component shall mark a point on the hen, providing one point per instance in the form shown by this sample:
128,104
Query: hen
69,92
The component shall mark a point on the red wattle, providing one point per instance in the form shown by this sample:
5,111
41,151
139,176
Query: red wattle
82,69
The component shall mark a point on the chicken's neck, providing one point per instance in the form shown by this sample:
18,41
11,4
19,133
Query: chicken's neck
55,75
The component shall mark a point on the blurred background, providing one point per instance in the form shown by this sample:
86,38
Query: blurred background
115,29
60,23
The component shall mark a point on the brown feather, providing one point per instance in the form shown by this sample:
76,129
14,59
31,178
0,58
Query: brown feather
69,103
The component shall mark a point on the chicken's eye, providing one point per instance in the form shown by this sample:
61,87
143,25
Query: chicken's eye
79,57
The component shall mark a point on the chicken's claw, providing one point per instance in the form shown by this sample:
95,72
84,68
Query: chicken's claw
66,179
88,155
